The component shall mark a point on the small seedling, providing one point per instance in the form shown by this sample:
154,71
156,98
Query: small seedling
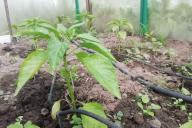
170,53
185,91
180,103
154,43
76,122
119,116
18,124
144,104
88,19
121,27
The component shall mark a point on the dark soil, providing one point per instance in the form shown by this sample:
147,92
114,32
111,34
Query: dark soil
169,117
32,104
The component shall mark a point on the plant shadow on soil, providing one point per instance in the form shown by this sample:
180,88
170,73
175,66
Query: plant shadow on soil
31,103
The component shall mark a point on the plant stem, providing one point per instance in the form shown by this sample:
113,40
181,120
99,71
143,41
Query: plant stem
50,95
70,88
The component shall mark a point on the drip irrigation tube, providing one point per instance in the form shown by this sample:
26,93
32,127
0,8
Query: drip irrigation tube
165,91
92,115
152,86
157,68
122,68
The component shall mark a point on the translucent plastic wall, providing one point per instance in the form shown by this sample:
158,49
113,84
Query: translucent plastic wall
47,9
106,10
171,18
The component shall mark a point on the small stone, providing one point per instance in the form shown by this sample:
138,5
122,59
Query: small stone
124,95
155,123
138,118
4,108
44,111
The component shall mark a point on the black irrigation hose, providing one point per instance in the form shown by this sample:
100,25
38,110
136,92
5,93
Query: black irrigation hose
159,69
155,87
79,111
147,83
165,91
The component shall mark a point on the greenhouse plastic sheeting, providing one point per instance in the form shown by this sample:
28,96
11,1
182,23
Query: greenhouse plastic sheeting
171,18
47,9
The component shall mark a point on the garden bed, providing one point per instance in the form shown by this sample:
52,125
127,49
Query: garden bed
31,103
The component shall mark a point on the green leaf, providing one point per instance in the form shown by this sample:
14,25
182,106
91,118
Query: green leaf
145,99
149,112
29,67
115,28
70,34
87,36
61,28
187,125
30,125
56,50
155,106
140,105
98,48
90,122
39,33
15,125
185,91
76,120
56,108
102,70
77,25
50,28
120,115
122,34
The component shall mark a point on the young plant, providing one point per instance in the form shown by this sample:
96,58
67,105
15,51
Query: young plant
180,103
155,43
143,101
186,69
88,19
59,39
76,122
121,27
18,124
84,22
118,118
